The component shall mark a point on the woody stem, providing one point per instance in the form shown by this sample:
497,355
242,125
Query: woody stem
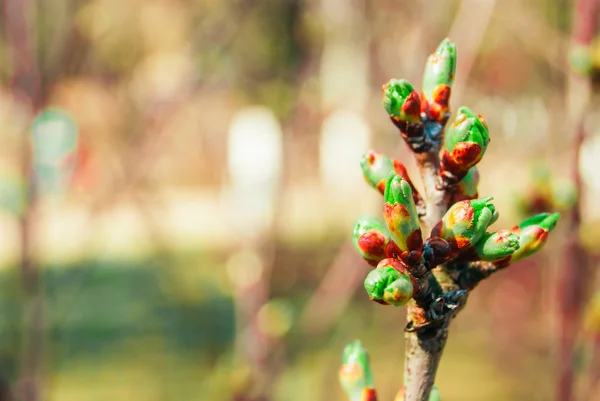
424,348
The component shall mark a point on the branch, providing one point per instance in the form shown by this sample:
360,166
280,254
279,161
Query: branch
424,348
433,277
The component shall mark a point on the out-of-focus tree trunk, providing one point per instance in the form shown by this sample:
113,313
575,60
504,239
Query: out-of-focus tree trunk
576,273
26,89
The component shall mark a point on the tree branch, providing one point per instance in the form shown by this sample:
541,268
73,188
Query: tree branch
424,348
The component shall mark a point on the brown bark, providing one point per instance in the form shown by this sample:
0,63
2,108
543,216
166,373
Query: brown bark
424,348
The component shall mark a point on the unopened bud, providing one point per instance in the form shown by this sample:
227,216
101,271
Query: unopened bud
401,215
465,222
437,81
466,142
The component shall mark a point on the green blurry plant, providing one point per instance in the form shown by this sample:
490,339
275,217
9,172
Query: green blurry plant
545,191
432,276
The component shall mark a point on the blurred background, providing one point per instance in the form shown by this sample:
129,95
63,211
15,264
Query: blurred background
179,179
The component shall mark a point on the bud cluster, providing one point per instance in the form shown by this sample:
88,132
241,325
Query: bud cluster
462,248
397,248
421,119
396,245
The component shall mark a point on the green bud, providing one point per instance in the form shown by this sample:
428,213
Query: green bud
400,214
370,237
546,221
496,246
378,280
389,283
399,292
466,142
401,102
465,223
437,81
533,233
355,375
378,167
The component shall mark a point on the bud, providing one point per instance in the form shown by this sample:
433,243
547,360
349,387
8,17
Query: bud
496,246
533,233
370,239
467,188
401,102
466,142
400,214
399,292
378,167
437,81
390,284
355,375
465,222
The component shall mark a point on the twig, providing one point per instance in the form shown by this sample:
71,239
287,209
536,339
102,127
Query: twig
423,349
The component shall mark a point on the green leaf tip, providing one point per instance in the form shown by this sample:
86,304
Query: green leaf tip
546,221
438,78
533,233
440,68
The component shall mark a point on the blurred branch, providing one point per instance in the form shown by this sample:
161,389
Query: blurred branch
335,291
26,88
593,376
139,153
575,274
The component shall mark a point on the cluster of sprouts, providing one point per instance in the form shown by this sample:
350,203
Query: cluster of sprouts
432,273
